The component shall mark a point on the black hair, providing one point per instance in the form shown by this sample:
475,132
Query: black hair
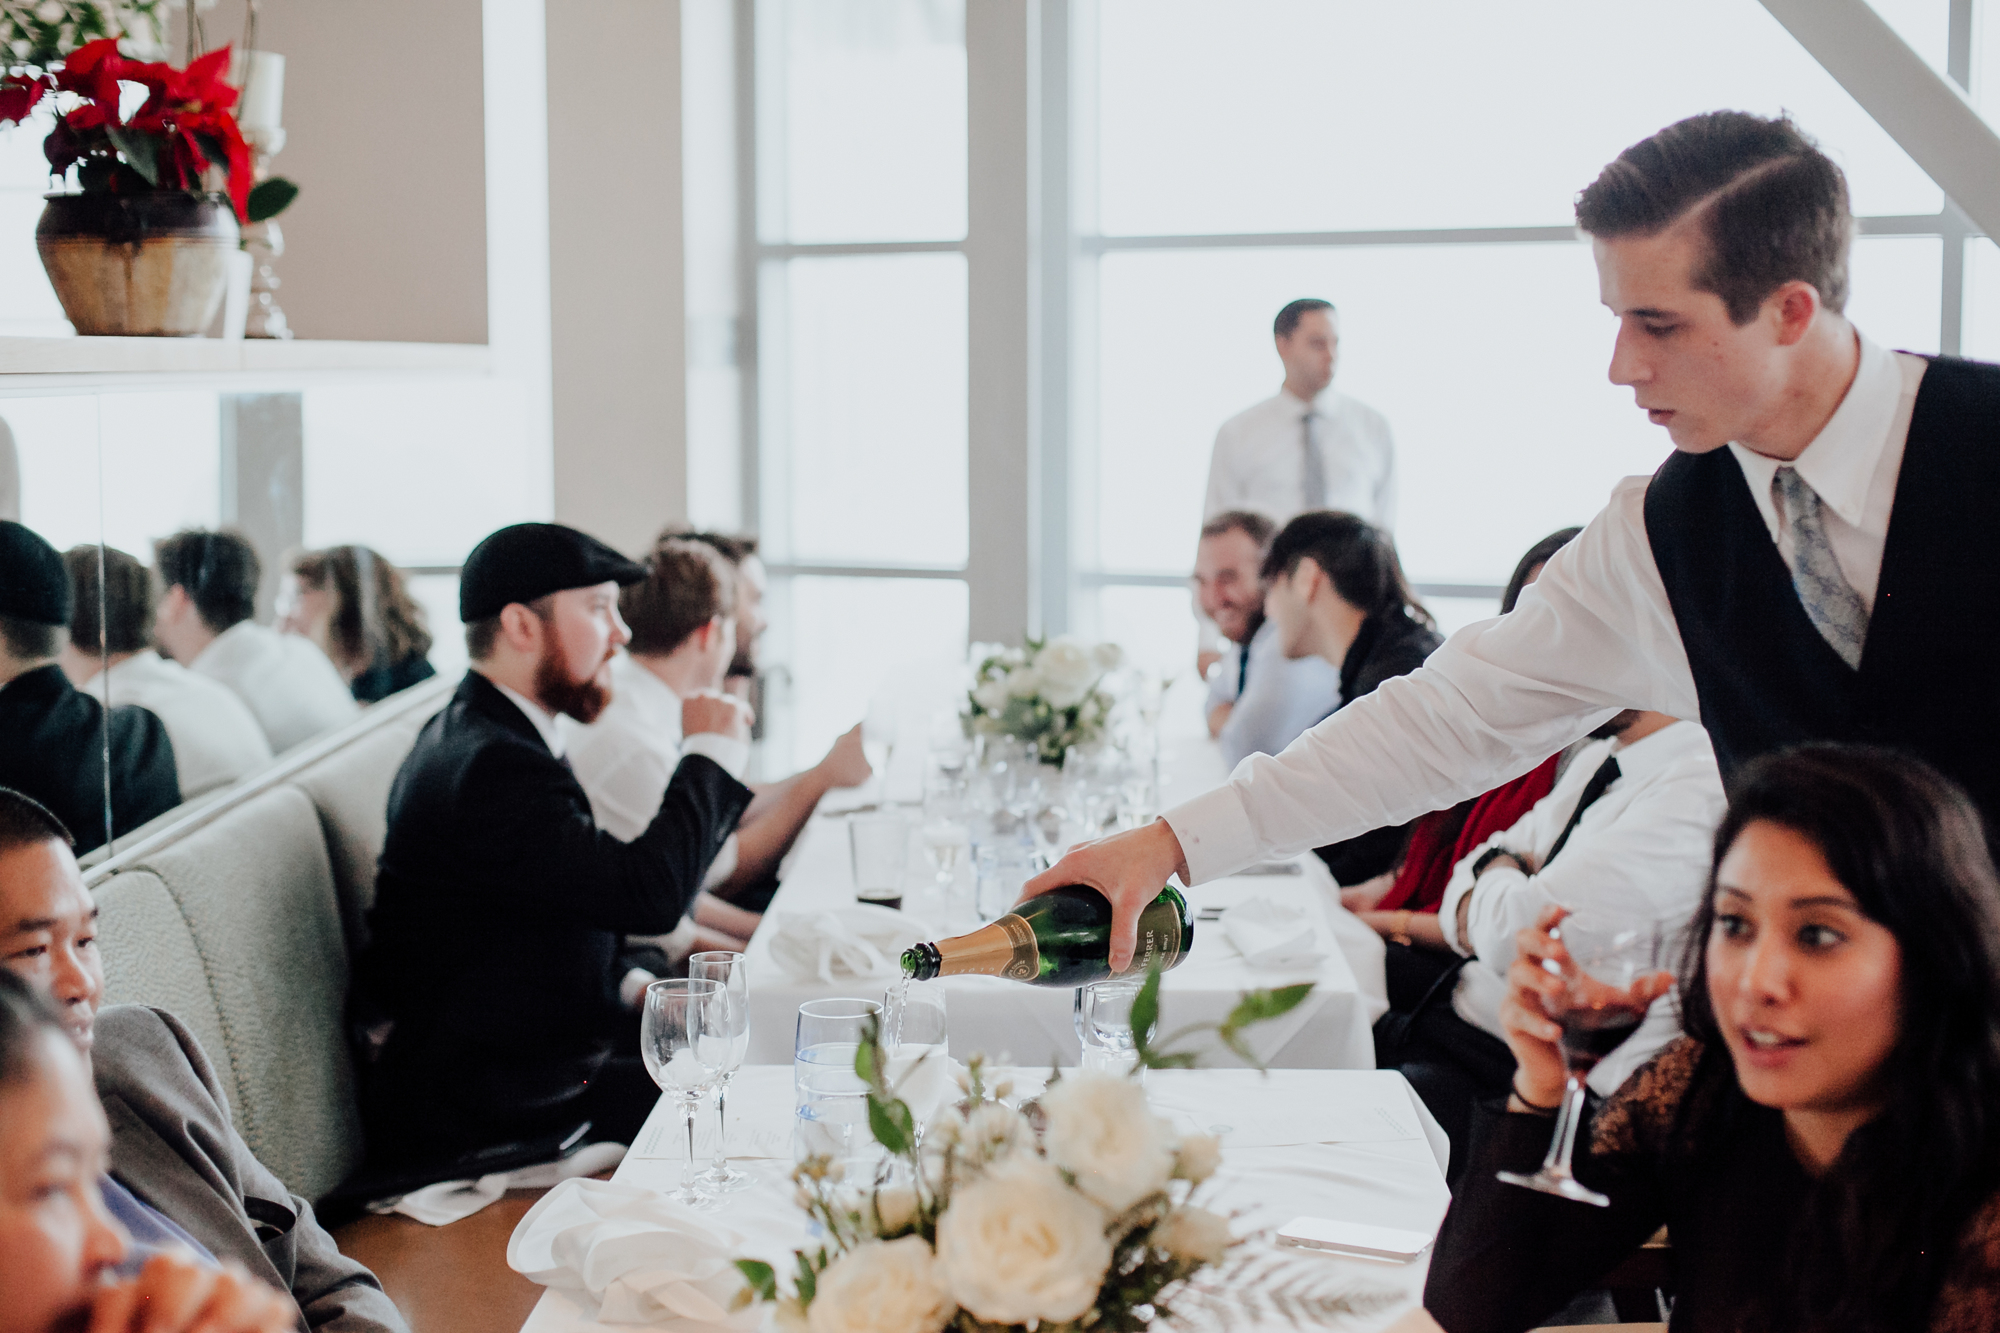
1538,554
1774,206
219,570
25,821
1357,556
30,640
1872,1249
1288,319
25,1014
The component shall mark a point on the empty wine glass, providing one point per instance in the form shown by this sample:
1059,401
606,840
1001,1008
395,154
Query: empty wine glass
878,741
944,835
732,1040
671,1041
1610,951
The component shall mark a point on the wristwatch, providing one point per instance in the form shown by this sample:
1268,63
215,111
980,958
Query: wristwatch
1488,857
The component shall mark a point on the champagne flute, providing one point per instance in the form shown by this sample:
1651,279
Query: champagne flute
945,836
1610,950
671,1031
732,1042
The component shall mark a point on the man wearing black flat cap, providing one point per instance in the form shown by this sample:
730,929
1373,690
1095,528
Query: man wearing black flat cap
52,736
494,966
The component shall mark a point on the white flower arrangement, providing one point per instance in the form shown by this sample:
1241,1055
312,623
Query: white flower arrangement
39,33
1051,693
1073,1212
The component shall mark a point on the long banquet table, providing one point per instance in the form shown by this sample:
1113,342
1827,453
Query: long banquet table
1033,1026
1349,1145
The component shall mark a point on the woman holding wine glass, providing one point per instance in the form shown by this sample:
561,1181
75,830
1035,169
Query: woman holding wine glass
1824,1143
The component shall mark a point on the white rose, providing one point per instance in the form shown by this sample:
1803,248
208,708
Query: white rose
1109,656
1101,1131
1018,1244
1194,1233
1024,682
994,1131
896,1206
881,1286
1197,1157
1068,670
992,696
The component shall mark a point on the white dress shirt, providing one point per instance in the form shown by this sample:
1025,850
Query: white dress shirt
628,755
1284,696
216,740
1259,457
1646,840
543,720
286,681
1593,635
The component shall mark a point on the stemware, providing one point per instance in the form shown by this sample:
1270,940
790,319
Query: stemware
944,834
732,1040
879,730
1609,952
681,1057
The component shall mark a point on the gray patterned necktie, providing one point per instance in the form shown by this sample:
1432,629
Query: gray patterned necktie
1312,470
1831,603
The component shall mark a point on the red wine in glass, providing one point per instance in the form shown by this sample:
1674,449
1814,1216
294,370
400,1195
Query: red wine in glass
1589,1034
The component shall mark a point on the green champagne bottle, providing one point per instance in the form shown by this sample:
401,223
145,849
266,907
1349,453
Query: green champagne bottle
1062,938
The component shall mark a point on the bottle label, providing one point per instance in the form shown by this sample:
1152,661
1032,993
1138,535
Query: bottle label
1159,939
1005,948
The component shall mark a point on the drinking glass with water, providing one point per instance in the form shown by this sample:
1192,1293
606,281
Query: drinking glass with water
676,1040
832,1119
1103,1014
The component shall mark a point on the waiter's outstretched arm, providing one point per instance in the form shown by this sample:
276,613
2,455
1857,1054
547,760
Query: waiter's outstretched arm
1592,636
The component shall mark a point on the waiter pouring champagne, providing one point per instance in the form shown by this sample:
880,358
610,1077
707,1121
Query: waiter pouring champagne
1801,568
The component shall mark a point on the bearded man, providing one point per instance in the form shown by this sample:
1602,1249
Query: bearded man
500,1010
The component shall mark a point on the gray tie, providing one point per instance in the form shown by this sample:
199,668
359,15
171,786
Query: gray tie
1831,603
1312,470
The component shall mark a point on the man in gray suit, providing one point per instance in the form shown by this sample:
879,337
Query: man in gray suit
180,1173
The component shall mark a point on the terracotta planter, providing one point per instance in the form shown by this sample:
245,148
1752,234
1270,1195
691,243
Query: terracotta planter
154,265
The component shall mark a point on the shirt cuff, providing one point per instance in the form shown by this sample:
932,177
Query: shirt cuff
632,987
1215,834
723,866
731,753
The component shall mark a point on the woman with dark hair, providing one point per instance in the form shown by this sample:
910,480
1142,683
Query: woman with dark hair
1335,589
1822,1144
356,607
59,1247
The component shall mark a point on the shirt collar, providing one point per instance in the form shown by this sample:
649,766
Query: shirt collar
1297,405
1840,462
1652,754
545,721
656,700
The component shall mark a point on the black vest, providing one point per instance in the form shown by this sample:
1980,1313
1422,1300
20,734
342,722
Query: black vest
1767,679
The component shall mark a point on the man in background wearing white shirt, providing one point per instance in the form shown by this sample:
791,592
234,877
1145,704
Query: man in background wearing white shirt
1808,565
682,618
1630,827
202,621
1309,447
216,741
1259,700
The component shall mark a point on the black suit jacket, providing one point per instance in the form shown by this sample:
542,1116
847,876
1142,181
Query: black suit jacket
1384,649
500,907
52,748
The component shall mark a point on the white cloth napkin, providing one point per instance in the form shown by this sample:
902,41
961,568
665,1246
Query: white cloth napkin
1272,934
861,942
640,1255
449,1200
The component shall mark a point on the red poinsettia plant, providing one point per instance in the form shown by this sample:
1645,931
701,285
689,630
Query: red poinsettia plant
185,126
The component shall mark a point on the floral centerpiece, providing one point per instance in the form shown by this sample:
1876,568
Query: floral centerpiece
1050,694
1074,1212
39,33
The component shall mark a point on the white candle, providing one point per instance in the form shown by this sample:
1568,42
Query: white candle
263,86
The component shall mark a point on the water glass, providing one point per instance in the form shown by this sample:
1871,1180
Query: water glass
1002,866
832,1100
676,1043
913,1020
1103,1015
732,1042
879,842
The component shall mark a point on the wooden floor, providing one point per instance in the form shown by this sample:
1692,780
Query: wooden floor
449,1279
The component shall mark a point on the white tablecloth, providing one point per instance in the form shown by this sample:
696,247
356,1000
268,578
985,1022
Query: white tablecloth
1383,1163
1032,1025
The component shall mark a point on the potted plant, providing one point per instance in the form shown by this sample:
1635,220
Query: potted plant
143,246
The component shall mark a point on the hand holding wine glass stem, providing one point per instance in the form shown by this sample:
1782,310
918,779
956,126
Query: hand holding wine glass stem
1542,984
1129,869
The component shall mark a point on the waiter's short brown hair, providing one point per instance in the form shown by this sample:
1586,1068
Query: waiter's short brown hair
687,584
1772,206
127,606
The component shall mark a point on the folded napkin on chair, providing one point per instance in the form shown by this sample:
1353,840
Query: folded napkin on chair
642,1257
861,942
1270,934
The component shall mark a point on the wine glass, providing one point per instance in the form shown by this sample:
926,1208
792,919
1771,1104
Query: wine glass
732,1040
1609,952
878,741
944,835
672,1032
